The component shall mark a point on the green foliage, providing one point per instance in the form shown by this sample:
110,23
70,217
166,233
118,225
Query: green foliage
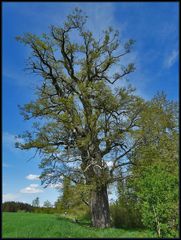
154,178
65,201
69,102
158,193
72,199
125,214
47,210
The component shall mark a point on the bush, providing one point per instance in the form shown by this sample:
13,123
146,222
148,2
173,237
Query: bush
21,211
125,215
44,210
86,215
158,191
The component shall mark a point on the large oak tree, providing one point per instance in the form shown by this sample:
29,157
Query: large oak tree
84,124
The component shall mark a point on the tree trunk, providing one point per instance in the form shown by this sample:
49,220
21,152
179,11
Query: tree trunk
100,208
158,230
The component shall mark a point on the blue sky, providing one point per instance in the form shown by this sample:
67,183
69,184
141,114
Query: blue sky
154,26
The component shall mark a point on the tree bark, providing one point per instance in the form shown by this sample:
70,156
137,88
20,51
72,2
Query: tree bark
100,214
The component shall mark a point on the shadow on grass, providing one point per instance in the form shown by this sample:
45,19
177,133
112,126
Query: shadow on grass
87,224
62,218
80,222
84,223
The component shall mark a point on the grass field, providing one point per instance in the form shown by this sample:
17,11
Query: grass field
35,225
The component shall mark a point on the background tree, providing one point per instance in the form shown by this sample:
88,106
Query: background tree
125,211
47,204
65,200
73,199
86,120
155,173
36,202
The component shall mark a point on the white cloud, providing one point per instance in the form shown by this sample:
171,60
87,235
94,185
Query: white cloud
32,177
56,185
9,197
171,59
35,185
32,188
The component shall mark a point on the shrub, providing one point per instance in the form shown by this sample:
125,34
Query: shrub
125,215
158,191
44,210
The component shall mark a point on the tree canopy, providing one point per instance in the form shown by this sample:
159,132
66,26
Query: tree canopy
80,125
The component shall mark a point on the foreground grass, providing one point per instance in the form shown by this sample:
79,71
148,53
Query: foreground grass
35,225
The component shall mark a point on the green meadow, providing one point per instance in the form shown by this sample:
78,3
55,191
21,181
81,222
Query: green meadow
36,225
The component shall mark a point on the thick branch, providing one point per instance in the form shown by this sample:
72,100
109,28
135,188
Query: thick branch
121,156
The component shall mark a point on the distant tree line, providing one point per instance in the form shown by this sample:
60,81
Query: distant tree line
13,206
16,206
